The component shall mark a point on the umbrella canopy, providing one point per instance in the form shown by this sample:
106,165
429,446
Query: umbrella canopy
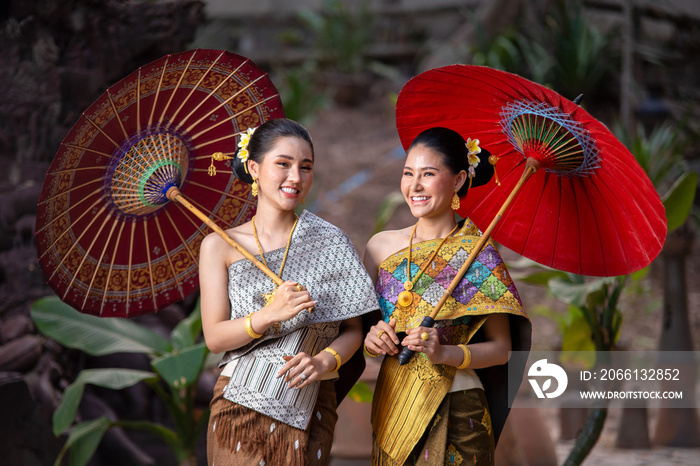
589,208
110,241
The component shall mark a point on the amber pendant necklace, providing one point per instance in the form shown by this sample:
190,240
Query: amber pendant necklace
406,297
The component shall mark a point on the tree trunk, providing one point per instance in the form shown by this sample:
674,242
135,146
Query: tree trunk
677,427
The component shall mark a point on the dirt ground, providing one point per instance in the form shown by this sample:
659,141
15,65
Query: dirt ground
358,164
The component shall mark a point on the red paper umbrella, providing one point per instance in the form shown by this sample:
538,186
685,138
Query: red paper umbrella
127,199
585,205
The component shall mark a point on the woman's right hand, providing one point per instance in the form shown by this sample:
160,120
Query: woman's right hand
382,339
288,302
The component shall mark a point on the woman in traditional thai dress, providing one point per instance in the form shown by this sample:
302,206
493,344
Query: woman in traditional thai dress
448,404
275,400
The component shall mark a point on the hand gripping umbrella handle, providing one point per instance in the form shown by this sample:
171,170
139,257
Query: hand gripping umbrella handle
174,194
531,166
406,354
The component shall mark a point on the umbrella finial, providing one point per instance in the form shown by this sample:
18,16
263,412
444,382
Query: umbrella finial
578,99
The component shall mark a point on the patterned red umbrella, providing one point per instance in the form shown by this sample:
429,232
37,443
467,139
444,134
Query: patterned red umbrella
585,205
127,199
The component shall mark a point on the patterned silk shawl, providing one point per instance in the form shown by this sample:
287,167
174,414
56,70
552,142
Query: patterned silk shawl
322,258
406,397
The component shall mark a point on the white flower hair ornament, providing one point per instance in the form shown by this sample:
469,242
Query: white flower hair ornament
241,153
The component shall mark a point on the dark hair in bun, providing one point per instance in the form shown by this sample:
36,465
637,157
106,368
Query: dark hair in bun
452,146
263,140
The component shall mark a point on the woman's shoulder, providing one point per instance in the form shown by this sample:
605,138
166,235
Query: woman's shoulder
387,242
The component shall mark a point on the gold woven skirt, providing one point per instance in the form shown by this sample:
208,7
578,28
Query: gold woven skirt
460,433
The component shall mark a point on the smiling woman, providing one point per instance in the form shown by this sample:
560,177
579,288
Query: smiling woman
452,378
275,400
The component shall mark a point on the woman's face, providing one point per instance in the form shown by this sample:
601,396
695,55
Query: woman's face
427,183
285,173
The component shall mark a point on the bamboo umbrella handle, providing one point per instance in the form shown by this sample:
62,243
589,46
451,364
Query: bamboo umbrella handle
531,166
174,194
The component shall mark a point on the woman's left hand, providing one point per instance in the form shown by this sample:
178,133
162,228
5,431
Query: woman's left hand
424,340
302,369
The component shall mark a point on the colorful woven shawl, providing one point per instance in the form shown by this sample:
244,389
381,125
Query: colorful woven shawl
406,397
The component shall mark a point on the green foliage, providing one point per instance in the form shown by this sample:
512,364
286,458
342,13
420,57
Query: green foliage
361,393
177,365
658,153
342,34
387,209
94,335
678,201
301,97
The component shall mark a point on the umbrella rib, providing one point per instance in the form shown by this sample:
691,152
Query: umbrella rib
111,267
67,229
177,230
73,146
85,256
257,104
225,102
188,217
138,101
78,169
177,86
116,114
128,274
170,259
75,243
194,88
69,209
211,93
160,85
150,265
101,131
102,254
233,196
73,189
212,214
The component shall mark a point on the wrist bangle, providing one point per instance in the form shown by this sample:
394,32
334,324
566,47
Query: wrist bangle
467,357
249,327
369,353
335,354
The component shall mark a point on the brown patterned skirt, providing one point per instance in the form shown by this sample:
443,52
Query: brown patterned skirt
460,433
237,435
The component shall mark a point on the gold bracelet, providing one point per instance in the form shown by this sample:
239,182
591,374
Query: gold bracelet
249,327
369,353
467,357
335,354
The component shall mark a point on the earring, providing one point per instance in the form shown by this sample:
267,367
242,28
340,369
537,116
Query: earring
254,188
303,200
455,202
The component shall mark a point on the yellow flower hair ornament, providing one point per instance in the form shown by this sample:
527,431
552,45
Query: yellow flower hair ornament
242,152
243,147
472,150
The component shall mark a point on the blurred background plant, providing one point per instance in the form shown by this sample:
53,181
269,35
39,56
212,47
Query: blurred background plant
176,366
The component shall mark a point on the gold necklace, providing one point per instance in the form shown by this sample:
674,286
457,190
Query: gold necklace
406,297
269,296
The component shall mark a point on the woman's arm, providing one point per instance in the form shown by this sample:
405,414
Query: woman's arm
346,343
220,332
491,352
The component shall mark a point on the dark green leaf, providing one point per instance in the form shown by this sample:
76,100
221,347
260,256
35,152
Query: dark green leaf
187,330
183,368
84,440
94,335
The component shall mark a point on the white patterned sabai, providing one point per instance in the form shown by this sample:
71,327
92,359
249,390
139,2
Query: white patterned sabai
322,258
